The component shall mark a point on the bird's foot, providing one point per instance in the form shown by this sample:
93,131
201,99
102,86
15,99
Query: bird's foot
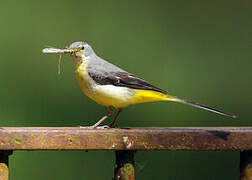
95,127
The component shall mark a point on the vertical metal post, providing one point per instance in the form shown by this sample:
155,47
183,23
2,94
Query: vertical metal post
4,169
124,165
246,165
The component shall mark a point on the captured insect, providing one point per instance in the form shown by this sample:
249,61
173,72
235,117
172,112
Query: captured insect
57,51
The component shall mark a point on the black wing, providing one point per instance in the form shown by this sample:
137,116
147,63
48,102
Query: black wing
123,79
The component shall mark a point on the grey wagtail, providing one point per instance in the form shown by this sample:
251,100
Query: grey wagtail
113,87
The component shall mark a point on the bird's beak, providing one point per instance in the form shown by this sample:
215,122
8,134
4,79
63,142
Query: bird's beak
71,50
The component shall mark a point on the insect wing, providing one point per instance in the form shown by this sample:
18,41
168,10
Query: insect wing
52,50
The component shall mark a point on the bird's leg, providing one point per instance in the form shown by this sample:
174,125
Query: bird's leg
111,109
112,124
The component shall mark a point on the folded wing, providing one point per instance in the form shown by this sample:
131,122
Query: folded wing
123,79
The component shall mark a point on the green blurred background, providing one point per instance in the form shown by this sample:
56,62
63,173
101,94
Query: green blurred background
199,50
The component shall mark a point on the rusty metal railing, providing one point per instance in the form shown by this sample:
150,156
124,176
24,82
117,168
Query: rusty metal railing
126,141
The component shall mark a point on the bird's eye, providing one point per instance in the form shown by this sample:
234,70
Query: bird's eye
82,47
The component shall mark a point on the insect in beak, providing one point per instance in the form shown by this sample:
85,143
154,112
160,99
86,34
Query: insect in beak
60,52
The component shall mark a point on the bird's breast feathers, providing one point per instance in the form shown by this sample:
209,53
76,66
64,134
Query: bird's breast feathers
107,95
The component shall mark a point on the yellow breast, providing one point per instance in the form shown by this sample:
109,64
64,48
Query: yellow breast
110,95
83,78
107,95
82,75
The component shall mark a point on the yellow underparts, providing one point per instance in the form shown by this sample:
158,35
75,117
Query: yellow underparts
110,95
143,96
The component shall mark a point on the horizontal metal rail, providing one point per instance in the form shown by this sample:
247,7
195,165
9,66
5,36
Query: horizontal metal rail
173,138
126,141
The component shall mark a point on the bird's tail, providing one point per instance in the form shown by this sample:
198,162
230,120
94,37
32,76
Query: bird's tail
201,106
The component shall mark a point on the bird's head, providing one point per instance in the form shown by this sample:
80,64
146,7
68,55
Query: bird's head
81,50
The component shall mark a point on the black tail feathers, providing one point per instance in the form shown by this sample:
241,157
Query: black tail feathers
201,106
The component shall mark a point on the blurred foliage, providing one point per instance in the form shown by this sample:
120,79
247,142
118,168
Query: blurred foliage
200,50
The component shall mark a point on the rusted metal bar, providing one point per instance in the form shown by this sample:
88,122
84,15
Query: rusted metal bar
246,165
124,166
65,138
4,168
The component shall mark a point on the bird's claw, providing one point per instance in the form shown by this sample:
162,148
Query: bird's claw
95,127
